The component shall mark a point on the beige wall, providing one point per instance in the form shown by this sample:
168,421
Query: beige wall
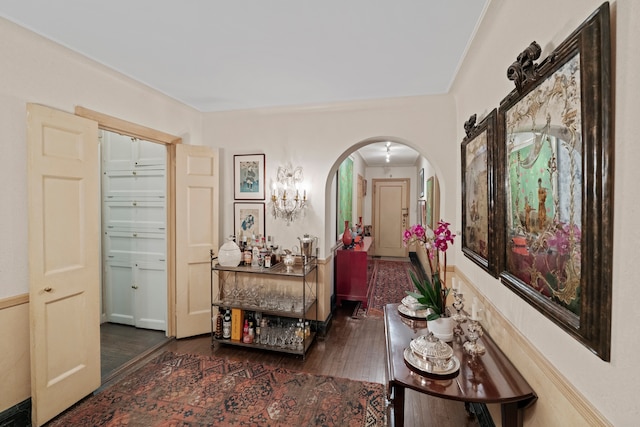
15,383
318,138
612,388
38,71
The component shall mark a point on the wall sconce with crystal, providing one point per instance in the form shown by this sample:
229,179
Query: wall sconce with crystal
288,193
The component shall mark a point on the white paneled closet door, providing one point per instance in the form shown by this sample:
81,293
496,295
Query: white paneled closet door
134,215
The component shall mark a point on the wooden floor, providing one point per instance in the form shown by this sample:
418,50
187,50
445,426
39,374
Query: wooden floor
122,345
353,348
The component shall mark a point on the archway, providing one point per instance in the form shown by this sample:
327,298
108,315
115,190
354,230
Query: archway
331,229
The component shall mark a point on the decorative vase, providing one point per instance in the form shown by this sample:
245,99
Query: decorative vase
346,235
442,328
229,254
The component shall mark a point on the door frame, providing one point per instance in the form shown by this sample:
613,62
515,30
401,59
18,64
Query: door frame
374,211
114,124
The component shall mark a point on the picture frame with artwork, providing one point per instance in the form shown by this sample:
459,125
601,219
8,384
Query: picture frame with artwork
555,167
422,183
422,212
248,218
478,213
430,197
344,196
249,176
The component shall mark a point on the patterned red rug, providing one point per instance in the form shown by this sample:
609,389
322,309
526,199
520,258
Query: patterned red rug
391,280
193,390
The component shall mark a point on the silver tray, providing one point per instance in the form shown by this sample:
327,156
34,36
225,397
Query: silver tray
427,367
417,314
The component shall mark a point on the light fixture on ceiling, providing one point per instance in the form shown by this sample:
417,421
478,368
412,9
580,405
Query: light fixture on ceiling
289,193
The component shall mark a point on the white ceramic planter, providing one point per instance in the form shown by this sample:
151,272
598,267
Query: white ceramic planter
442,328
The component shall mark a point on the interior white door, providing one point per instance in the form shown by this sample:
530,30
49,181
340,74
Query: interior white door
150,295
120,277
196,218
64,259
390,206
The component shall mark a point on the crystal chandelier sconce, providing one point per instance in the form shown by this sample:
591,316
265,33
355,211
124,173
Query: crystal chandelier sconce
288,194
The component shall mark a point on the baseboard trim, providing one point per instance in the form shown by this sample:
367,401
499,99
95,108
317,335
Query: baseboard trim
17,416
322,327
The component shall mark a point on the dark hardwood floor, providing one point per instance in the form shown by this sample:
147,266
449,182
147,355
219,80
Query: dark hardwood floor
122,345
353,348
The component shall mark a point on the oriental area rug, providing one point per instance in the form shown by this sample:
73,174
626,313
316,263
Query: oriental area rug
194,390
391,281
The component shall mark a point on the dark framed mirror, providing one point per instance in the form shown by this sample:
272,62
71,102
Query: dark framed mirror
478,191
555,169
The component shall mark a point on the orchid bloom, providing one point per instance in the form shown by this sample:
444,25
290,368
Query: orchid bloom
433,291
432,240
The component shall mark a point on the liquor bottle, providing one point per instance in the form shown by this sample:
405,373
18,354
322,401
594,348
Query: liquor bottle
266,253
245,331
300,329
255,258
307,329
219,322
258,327
252,330
247,255
226,325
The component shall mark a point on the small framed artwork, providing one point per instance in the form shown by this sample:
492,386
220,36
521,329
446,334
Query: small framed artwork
422,182
248,218
430,202
476,151
248,176
422,212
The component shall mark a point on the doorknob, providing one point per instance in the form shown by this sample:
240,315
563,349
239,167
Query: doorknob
134,286
48,289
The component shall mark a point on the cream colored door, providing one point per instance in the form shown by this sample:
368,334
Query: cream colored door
64,259
196,234
390,211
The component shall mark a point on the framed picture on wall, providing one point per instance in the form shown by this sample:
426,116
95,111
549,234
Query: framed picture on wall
421,182
430,202
344,196
555,160
476,152
248,176
248,219
422,212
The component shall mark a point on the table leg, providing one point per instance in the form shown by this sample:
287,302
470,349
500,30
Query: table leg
511,415
398,406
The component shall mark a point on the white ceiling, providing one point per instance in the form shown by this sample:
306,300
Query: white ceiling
218,55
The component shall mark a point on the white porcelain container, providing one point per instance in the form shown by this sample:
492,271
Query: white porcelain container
229,254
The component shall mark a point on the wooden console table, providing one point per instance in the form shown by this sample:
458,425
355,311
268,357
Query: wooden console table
490,378
352,272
